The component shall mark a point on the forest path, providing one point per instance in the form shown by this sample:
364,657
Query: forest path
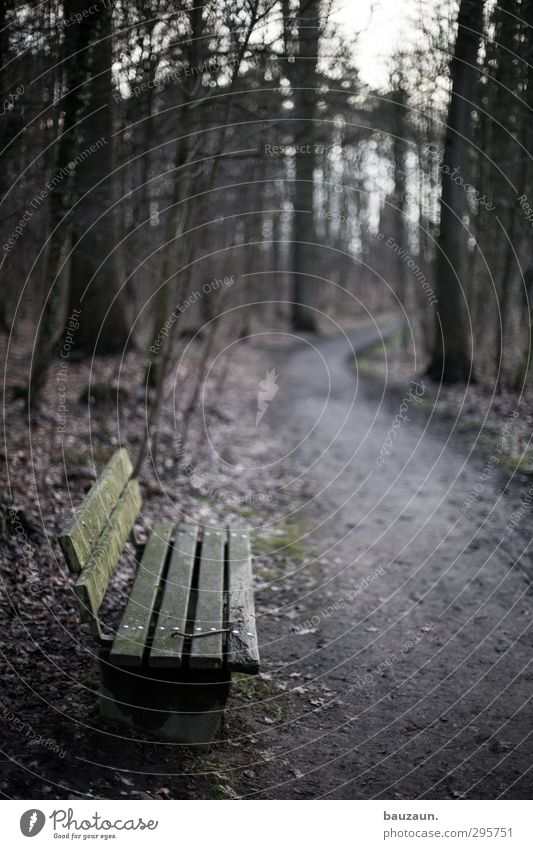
404,648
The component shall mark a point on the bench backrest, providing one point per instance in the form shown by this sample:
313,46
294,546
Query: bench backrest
96,535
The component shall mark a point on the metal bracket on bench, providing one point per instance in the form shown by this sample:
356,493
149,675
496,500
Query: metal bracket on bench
99,636
138,544
176,633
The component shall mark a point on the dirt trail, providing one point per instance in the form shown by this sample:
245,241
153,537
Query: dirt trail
395,636
406,668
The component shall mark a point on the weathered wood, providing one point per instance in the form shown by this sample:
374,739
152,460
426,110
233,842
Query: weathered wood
91,585
183,698
88,521
206,652
133,631
242,650
167,645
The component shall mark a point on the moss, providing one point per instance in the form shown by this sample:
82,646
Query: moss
261,691
91,684
221,791
367,368
518,463
268,575
220,788
88,456
246,513
273,709
370,364
286,544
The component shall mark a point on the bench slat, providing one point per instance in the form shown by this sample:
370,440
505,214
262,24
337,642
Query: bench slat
167,647
132,635
242,649
89,520
91,586
206,652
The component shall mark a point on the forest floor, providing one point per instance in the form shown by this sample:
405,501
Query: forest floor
393,596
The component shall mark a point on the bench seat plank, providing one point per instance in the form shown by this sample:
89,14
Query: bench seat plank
129,645
242,649
206,652
84,528
93,581
167,646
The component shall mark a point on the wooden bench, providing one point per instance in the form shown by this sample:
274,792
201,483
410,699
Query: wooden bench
188,623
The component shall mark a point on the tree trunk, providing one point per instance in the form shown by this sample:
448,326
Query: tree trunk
6,135
94,283
61,199
526,185
451,360
400,198
304,86
170,292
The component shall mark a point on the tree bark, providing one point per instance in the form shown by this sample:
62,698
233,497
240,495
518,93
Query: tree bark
526,186
304,87
94,283
61,199
451,359
399,98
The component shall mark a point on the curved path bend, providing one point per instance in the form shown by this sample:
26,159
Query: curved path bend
405,646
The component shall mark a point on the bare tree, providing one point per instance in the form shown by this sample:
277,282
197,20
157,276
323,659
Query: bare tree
303,77
61,200
94,277
451,358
